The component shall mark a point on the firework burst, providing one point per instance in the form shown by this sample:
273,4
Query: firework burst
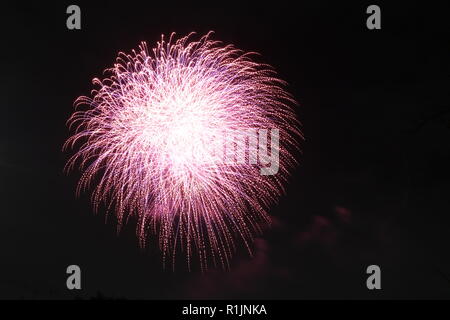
149,141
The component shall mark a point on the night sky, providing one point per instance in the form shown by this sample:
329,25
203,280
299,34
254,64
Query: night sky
372,186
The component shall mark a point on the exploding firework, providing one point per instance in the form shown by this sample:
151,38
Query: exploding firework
169,137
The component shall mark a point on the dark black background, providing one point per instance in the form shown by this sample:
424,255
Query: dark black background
373,182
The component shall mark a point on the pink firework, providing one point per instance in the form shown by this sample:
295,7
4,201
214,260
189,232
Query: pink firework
160,140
